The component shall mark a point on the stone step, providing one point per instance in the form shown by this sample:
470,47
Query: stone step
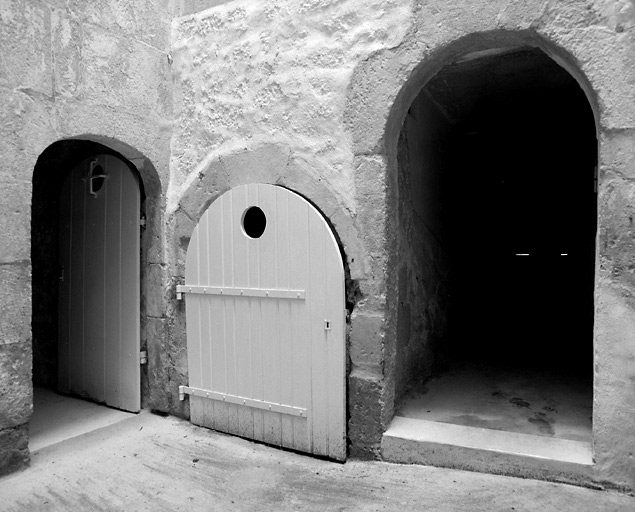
415,441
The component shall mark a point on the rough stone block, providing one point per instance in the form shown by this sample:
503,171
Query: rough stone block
123,73
16,390
366,340
157,335
14,449
25,40
370,197
365,406
263,165
183,230
15,303
192,6
143,21
67,42
15,225
209,185
157,294
617,154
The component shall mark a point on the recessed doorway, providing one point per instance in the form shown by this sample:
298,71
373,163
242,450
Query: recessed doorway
497,169
86,211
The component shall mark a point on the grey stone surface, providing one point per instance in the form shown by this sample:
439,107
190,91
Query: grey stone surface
15,221
16,390
15,303
364,425
151,463
14,451
204,95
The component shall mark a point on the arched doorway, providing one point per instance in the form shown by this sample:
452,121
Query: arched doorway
497,216
80,326
265,312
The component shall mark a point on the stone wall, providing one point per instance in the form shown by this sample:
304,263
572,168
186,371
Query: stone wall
260,91
204,95
423,268
93,71
593,40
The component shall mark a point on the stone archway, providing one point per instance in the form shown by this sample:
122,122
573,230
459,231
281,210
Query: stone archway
276,164
495,249
48,177
375,118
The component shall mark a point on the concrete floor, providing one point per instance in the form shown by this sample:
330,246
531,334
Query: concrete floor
478,417
538,403
145,462
57,418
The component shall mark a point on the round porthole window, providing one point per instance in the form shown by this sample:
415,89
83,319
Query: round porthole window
254,222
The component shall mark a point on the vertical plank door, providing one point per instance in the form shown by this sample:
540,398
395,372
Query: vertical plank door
98,351
265,319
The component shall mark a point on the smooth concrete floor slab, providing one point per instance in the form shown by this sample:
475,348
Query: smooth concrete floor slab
152,463
58,417
539,403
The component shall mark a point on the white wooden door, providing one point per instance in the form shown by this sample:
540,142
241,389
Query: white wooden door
98,356
265,319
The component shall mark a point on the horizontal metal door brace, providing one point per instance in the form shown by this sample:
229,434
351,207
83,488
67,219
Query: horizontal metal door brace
240,400
274,293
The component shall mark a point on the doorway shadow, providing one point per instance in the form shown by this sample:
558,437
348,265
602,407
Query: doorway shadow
57,418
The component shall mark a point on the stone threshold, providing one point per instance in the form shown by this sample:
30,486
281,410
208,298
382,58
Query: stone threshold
415,441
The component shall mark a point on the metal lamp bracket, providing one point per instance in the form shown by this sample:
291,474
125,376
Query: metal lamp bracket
92,190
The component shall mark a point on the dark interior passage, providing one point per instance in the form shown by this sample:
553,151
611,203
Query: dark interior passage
522,218
497,164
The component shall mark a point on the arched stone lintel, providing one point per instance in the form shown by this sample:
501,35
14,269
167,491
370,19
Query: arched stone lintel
151,179
278,165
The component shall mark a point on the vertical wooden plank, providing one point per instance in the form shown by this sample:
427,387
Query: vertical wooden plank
284,355
130,275
238,198
268,271
63,354
94,292
204,318
317,334
192,312
197,410
335,345
301,362
193,322
76,271
255,338
113,332
255,323
224,218
218,360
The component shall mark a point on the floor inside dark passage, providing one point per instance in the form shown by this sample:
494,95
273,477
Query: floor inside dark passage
535,402
57,418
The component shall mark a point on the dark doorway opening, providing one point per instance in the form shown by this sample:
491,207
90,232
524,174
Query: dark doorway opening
498,153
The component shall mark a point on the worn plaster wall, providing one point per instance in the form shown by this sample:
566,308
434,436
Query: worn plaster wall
260,92
93,71
593,40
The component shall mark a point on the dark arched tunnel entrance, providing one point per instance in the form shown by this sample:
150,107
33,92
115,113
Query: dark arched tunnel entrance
497,216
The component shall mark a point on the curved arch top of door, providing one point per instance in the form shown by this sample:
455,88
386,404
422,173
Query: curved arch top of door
265,317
